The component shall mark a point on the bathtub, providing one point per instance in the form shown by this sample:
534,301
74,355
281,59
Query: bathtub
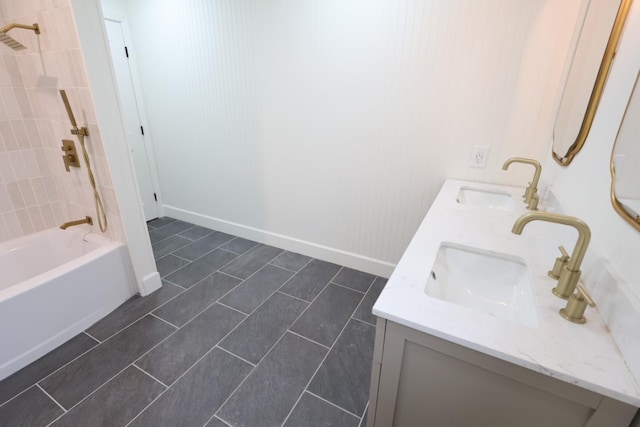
53,285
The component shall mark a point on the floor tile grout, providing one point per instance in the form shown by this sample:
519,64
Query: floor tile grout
150,312
235,355
332,404
231,308
307,338
91,336
361,321
268,352
347,287
51,397
90,394
291,296
149,375
306,387
165,321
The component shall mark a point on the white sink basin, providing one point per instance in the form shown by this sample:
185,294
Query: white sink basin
493,283
486,198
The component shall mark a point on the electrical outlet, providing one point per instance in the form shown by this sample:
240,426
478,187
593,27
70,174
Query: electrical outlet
479,156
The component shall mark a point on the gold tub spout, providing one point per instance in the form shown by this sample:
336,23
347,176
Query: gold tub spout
86,220
531,194
570,272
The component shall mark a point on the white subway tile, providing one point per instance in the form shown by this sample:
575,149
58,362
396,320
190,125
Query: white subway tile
13,225
17,162
6,169
25,221
27,193
15,195
8,136
36,218
5,201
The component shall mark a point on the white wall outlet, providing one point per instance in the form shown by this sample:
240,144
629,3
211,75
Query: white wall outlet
479,156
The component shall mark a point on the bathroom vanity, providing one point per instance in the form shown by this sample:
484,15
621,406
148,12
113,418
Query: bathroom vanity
469,332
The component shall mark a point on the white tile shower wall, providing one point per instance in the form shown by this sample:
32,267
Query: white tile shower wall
611,268
35,190
336,122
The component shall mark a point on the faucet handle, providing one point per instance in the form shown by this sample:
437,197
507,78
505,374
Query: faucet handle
577,304
560,262
583,293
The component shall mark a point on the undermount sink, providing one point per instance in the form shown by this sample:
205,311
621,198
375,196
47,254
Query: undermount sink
493,283
486,198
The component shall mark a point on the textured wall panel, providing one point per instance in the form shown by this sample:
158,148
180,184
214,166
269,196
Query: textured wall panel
336,122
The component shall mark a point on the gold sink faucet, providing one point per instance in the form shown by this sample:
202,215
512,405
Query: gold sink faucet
570,272
531,193
86,220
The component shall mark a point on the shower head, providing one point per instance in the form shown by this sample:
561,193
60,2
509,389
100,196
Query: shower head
10,41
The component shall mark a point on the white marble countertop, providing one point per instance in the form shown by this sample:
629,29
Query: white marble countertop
584,355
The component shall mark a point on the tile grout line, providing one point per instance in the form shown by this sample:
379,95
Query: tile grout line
92,393
347,287
362,301
318,368
149,375
362,321
206,253
230,275
231,308
51,397
47,376
235,355
333,404
275,345
91,336
221,420
308,339
148,313
160,318
177,256
291,296
171,283
366,408
269,351
195,363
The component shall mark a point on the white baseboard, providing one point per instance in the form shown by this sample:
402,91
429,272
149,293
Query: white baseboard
151,283
325,253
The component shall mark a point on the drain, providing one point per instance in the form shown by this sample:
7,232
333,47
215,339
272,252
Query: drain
433,274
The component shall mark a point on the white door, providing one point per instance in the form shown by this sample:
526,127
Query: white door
131,116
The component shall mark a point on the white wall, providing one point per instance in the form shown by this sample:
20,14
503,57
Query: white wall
331,125
611,268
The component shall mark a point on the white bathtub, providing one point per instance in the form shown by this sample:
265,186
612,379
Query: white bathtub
53,285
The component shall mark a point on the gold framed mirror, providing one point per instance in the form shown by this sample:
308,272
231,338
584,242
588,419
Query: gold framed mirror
600,32
625,162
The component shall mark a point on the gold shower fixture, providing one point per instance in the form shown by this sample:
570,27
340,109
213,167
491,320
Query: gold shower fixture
10,41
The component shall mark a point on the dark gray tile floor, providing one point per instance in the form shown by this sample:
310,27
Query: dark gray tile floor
241,334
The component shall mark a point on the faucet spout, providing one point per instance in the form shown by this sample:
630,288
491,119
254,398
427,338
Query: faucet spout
570,273
531,194
86,220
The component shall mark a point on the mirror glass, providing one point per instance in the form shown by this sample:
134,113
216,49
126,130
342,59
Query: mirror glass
597,41
625,163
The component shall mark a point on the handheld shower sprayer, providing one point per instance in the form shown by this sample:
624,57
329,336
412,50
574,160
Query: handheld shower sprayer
81,133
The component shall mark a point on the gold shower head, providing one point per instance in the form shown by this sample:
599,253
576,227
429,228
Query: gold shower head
10,41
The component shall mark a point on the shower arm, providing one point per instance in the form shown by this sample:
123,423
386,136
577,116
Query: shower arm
10,27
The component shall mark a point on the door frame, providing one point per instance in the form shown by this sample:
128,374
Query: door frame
142,113
89,24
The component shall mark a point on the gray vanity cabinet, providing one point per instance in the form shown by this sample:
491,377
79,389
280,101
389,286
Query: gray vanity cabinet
421,380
